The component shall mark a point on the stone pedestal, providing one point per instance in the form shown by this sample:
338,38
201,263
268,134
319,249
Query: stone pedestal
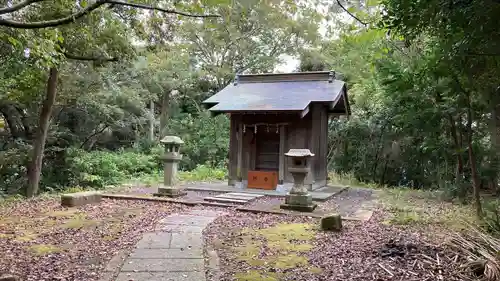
170,159
298,198
170,191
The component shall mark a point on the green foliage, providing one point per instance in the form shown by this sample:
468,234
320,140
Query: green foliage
203,173
491,219
101,168
13,168
206,139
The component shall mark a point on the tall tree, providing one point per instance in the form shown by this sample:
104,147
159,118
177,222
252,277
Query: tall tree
251,36
79,36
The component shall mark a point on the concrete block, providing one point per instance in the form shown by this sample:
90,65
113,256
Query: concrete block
80,198
331,222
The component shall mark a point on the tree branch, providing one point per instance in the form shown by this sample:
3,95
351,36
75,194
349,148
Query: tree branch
84,58
73,17
168,11
18,6
353,16
51,23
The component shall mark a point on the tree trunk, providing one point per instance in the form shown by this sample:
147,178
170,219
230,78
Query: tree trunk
165,105
472,161
35,165
495,143
380,148
459,174
15,120
152,121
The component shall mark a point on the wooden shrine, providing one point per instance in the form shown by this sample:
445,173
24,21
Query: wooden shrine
273,113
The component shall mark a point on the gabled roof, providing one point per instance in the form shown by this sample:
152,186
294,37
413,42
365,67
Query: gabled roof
284,92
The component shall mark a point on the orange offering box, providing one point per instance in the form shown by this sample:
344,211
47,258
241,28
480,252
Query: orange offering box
262,180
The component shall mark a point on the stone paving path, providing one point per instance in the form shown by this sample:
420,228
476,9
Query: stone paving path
173,252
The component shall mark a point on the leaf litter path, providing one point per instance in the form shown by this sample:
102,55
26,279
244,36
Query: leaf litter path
174,251
40,240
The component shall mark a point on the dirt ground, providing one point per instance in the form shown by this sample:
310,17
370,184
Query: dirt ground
40,240
404,240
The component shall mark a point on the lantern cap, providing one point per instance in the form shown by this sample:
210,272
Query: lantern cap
294,152
171,140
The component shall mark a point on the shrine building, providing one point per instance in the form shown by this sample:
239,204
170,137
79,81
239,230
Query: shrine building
272,113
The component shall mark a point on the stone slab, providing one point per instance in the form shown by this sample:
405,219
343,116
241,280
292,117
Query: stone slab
223,200
160,240
206,213
362,215
233,197
80,198
163,265
179,228
187,219
116,261
160,276
317,195
251,195
187,240
193,253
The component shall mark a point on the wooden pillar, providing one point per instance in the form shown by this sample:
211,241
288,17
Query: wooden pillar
233,151
281,172
239,160
315,140
247,137
253,151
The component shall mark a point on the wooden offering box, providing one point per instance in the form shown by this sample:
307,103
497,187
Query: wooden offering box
262,180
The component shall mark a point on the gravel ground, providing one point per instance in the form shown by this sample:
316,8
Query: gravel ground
362,251
40,240
348,201
345,203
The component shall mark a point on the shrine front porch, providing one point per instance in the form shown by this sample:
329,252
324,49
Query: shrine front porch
319,193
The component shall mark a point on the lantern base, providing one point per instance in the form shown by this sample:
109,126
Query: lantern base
170,192
298,202
300,208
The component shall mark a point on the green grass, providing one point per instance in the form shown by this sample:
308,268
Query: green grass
410,207
202,173
417,207
347,179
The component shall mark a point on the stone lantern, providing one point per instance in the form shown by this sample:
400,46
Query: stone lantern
298,198
170,159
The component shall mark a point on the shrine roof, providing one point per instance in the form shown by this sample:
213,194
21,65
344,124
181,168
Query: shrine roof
280,92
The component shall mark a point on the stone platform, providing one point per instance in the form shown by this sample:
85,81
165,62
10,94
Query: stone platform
318,194
233,198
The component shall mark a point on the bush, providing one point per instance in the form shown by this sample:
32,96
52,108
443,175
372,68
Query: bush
203,173
101,168
206,139
13,163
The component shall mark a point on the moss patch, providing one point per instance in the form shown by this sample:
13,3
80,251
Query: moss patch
79,222
256,275
290,261
26,236
44,249
285,231
281,247
6,236
62,213
315,270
